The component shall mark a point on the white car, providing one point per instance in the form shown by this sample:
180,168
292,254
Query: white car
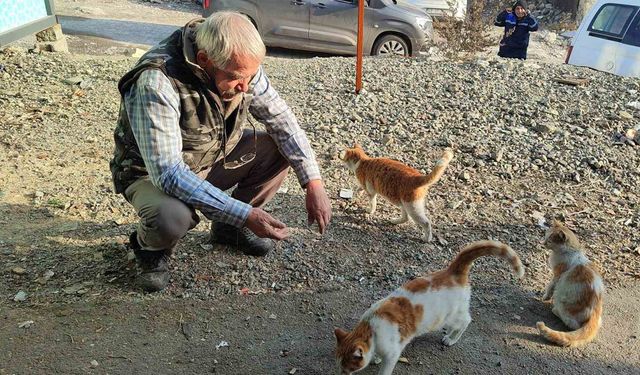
608,38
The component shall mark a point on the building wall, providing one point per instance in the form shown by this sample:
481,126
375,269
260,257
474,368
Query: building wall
15,13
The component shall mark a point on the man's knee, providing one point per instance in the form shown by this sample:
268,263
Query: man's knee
170,221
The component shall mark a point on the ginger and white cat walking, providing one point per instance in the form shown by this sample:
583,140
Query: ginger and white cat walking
402,185
576,288
425,304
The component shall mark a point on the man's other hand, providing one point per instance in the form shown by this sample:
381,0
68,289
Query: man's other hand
265,225
318,205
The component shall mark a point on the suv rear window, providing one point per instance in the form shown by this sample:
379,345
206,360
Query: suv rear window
632,36
612,20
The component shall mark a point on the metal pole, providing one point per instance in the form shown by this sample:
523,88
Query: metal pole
359,46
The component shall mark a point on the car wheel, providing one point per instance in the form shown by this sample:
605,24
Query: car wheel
391,45
253,22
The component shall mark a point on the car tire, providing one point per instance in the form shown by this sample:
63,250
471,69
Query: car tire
391,45
253,22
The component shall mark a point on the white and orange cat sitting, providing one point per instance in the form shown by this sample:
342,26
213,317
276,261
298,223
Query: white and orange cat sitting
576,288
404,186
425,304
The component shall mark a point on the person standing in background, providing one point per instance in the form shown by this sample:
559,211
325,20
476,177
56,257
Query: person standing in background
517,23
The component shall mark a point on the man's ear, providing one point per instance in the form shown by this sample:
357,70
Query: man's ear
201,58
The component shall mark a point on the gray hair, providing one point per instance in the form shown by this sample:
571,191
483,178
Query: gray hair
223,34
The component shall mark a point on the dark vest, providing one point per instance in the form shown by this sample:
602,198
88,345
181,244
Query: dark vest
202,114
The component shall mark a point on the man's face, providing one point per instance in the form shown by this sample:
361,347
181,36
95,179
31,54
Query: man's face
234,78
520,11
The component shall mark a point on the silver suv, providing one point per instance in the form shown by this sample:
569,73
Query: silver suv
331,25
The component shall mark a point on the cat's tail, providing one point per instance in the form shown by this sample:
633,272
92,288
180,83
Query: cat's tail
439,169
581,336
462,263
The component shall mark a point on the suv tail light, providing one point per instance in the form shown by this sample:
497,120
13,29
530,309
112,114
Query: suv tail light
569,50
205,4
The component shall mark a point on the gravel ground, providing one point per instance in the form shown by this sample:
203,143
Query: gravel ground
528,149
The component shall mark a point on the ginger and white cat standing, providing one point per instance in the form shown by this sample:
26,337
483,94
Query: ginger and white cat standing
404,186
425,304
576,288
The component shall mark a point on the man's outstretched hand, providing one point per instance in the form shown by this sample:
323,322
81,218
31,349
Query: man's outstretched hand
265,225
318,205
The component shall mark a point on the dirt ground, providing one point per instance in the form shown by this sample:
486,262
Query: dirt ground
113,329
276,334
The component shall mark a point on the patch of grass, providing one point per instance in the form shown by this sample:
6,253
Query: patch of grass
55,203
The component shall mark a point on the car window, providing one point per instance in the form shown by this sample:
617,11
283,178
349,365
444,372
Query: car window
612,19
633,33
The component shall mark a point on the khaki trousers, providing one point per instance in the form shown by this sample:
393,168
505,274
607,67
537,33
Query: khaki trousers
164,220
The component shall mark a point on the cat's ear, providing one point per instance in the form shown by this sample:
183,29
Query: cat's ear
558,236
358,353
340,334
357,146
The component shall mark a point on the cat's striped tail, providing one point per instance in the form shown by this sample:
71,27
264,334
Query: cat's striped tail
462,263
581,336
439,169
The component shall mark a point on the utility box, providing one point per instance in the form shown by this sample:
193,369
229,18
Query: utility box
20,18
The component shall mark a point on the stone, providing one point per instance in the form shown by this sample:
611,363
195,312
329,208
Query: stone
18,270
545,128
136,53
626,116
550,37
51,34
552,112
75,80
26,324
94,11
482,63
94,364
55,46
497,156
21,296
634,105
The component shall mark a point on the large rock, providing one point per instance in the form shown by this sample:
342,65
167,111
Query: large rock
56,46
51,34
52,40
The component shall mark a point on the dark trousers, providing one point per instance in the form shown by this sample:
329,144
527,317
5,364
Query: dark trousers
164,220
513,53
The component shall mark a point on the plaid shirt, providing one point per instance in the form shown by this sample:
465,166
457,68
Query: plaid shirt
153,107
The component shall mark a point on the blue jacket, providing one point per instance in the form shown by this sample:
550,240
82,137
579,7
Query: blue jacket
515,40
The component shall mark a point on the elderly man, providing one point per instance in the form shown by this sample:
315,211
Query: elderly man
180,142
